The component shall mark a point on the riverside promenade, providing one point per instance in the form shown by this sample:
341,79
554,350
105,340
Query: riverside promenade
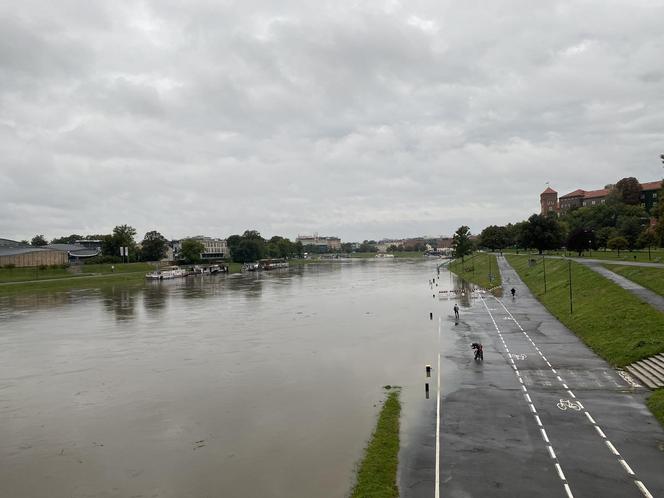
542,415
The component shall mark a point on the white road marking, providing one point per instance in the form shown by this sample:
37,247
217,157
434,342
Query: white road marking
549,447
612,448
643,489
437,484
626,467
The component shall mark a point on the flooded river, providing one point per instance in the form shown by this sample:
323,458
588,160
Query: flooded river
252,385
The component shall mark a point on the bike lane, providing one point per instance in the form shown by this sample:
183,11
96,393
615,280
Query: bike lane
608,442
490,444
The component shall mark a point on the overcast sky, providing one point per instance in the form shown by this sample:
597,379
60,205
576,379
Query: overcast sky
352,118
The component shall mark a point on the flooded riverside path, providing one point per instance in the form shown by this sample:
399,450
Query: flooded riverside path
243,385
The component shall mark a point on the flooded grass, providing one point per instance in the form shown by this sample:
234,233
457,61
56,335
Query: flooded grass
377,474
476,269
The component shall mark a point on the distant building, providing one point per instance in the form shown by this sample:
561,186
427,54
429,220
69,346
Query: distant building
549,201
19,255
321,243
76,252
214,248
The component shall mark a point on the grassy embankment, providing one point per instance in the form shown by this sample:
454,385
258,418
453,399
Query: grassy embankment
21,280
655,256
377,473
612,321
648,277
656,405
476,269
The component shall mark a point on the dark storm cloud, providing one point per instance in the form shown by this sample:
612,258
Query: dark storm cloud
361,120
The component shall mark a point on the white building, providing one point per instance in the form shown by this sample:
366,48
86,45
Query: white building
329,243
214,248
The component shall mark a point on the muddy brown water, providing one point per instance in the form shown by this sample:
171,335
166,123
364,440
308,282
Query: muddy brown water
251,385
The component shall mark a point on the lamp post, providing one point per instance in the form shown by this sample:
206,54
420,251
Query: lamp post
569,266
544,265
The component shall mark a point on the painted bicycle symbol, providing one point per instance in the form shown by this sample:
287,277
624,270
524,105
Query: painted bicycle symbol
520,356
564,404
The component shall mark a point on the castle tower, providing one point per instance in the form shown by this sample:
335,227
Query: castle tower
548,201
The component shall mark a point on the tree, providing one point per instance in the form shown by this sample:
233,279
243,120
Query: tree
542,233
617,243
603,235
647,239
70,239
191,250
154,246
580,239
461,242
493,237
629,190
123,236
38,240
630,228
248,250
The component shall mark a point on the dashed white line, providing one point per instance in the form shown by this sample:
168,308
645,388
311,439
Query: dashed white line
612,448
560,472
551,452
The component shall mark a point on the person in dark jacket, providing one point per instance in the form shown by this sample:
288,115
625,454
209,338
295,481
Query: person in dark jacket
479,351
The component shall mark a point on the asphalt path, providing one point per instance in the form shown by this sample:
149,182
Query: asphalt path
542,415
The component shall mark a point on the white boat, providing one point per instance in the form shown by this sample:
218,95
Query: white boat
167,273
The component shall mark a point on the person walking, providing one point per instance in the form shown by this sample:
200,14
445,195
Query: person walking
456,311
513,291
479,351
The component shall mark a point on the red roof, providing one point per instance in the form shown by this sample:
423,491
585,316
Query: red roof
596,193
577,193
651,185
549,190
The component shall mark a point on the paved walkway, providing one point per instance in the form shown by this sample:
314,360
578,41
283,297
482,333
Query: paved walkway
542,415
650,297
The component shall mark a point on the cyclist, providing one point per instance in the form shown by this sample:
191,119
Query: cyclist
479,352
513,291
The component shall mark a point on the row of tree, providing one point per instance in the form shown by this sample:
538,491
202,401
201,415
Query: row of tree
620,223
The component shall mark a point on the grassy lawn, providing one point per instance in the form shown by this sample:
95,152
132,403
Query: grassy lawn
656,255
613,322
63,284
377,473
656,405
650,278
476,269
23,274
119,268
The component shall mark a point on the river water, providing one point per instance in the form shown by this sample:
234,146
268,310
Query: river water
248,385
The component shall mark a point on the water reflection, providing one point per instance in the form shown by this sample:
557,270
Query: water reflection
120,301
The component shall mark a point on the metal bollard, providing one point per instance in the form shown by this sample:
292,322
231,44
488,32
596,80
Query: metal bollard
430,316
428,369
426,390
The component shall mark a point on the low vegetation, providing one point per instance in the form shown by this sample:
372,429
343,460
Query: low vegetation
476,269
377,473
656,405
648,277
613,322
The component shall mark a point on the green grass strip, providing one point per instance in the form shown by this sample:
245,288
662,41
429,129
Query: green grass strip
377,474
617,325
648,277
656,405
476,269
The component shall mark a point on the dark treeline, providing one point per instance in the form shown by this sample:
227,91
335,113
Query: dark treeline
620,223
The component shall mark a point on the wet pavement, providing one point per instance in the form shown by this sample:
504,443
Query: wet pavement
541,415
243,385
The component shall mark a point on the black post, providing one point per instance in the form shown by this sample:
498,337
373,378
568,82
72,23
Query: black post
571,308
648,252
544,264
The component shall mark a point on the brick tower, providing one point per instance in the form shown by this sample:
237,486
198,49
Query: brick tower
548,201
